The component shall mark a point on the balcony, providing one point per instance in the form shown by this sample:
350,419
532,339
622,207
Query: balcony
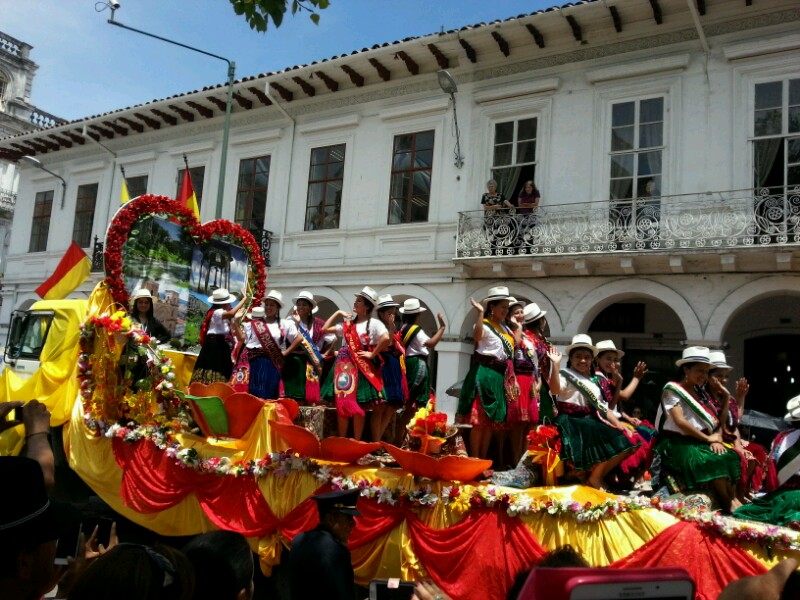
713,222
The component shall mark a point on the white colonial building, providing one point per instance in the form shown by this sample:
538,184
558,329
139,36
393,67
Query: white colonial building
663,135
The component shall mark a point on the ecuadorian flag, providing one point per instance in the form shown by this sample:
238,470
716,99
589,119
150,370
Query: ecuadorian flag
72,271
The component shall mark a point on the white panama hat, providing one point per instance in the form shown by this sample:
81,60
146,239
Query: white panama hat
275,296
258,312
141,293
533,313
307,296
497,293
411,306
369,294
717,358
386,301
792,410
698,354
580,340
221,296
607,346
514,302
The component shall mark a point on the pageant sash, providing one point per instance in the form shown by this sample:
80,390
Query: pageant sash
268,343
695,406
409,333
786,455
310,348
365,367
595,402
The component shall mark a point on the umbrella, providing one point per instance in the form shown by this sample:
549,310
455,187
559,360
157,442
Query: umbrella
754,418
455,389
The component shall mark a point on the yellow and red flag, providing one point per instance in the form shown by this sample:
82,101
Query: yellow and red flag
187,197
72,271
124,195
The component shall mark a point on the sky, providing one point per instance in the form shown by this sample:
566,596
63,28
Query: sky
88,67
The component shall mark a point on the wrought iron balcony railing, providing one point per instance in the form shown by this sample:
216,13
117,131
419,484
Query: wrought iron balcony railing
713,220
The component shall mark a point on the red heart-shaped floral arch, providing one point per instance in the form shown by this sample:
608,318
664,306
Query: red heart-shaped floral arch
148,204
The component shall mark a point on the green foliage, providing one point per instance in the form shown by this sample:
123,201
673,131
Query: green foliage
259,13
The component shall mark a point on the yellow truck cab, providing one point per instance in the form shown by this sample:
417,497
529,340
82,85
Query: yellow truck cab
40,362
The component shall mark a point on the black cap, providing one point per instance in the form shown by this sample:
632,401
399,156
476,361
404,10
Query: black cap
25,510
343,501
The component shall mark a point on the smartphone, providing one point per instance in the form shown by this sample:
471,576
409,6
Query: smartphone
18,414
103,525
68,544
667,583
391,589
678,589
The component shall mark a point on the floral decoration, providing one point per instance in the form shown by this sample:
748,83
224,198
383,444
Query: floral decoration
545,449
108,344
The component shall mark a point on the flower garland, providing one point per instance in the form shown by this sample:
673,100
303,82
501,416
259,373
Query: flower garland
104,387
514,503
126,217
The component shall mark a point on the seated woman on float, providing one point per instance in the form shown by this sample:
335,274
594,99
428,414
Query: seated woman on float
690,443
591,435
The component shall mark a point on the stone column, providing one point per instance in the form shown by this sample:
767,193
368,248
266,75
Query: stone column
452,367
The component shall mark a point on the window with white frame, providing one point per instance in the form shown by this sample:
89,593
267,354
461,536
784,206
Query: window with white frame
40,226
325,184
410,189
251,192
84,214
776,135
514,155
637,148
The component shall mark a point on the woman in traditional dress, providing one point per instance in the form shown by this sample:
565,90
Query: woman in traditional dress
523,413
261,359
418,348
306,343
490,384
356,384
214,361
753,456
690,440
535,326
609,379
592,439
781,506
142,313
393,371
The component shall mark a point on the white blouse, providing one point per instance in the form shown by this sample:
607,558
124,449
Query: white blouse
417,347
369,331
572,395
291,332
251,339
490,344
670,400
217,325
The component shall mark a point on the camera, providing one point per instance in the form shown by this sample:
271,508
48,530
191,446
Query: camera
113,4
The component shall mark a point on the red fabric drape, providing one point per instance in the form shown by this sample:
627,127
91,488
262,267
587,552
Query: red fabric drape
152,482
375,520
711,560
479,556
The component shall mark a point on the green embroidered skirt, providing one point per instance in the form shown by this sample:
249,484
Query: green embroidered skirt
694,462
586,442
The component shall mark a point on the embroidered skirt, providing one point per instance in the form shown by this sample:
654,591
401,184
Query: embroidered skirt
418,381
299,381
394,388
214,361
366,394
694,462
586,442
781,507
265,379
482,401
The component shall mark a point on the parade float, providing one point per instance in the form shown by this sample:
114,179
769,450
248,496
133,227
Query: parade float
181,460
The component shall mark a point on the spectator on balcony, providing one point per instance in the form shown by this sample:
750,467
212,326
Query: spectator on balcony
528,199
490,385
690,440
492,199
260,362
592,438
214,361
356,383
